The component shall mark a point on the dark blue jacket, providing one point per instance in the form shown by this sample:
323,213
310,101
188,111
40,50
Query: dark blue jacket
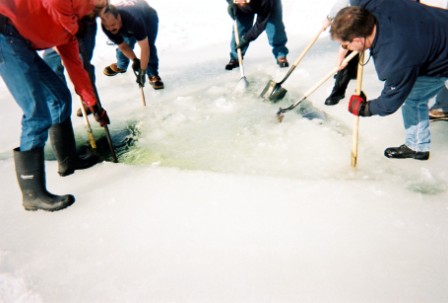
411,41
263,10
134,18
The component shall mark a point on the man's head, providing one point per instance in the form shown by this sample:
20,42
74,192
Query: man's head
99,6
352,26
241,2
111,19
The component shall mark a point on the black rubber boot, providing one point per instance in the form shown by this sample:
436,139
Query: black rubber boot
233,63
62,140
30,171
343,78
404,152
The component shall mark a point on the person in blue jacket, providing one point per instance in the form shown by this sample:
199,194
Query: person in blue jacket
408,42
128,23
269,18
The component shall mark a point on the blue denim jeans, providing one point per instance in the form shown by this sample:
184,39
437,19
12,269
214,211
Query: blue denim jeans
43,97
52,58
415,112
86,47
153,64
441,100
275,31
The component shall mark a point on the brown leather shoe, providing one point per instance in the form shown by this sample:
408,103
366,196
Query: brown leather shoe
156,82
438,114
79,111
112,70
282,62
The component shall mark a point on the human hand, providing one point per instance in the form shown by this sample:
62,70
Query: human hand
359,106
100,115
136,64
141,77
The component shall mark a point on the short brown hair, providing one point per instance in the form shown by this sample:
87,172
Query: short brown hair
111,9
352,22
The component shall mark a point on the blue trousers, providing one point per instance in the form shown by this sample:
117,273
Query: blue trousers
86,47
43,97
441,100
415,112
275,31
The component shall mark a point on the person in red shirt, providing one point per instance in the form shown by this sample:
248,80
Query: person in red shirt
27,26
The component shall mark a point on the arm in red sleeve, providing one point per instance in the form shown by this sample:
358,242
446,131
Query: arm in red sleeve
62,11
69,53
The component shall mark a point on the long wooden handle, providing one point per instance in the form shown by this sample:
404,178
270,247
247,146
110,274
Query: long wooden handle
302,54
329,75
355,137
142,93
90,137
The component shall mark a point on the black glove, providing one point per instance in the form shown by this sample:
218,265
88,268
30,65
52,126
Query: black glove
231,10
100,115
136,65
141,77
243,43
359,106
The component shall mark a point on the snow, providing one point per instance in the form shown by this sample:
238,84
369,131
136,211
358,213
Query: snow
217,201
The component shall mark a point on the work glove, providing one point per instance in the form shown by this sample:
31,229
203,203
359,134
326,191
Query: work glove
243,43
141,77
136,65
100,115
359,106
231,9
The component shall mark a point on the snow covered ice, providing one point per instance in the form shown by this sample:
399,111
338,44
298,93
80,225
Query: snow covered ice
218,202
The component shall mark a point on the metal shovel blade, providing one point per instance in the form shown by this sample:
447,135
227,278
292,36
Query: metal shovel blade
242,85
273,92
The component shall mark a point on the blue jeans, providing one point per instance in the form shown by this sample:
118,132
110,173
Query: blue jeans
275,30
441,100
52,58
415,112
86,47
151,31
43,97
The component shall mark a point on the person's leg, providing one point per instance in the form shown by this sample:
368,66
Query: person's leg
440,107
416,120
86,48
244,24
415,113
122,60
343,78
275,31
52,58
152,31
153,65
27,89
